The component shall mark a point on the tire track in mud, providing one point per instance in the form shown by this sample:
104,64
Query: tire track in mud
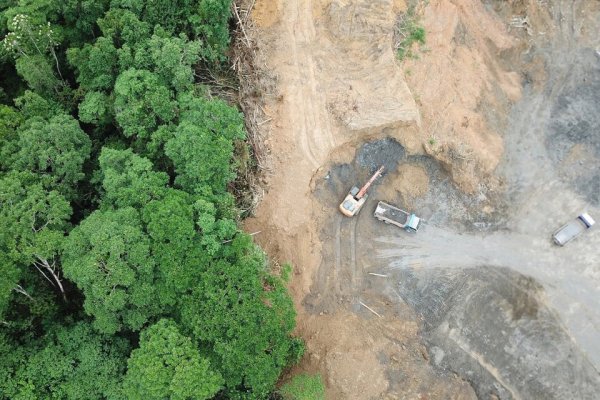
346,278
356,277
310,119
337,249
481,361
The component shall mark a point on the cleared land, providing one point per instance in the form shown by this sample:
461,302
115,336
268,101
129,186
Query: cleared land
491,135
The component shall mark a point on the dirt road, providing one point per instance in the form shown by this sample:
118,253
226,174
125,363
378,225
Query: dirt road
479,303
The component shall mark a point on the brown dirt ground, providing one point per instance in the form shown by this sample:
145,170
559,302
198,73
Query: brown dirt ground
339,84
408,181
266,13
456,74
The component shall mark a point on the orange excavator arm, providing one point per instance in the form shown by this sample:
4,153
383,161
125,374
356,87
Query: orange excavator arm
364,189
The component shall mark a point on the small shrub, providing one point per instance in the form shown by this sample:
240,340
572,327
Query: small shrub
417,34
407,33
304,387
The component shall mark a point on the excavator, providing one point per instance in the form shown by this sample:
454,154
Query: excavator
356,197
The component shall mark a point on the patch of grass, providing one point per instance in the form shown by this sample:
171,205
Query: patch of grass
304,387
408,32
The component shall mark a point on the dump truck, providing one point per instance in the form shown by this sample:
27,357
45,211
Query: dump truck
356,197
393,215
571,230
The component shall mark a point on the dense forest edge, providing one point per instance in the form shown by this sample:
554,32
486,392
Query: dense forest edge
124,272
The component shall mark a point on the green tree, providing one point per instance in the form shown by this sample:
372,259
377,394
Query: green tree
155,232
33,221
123,27
14,357
202,148
96,65
246,316
174,16
108,258
70,362
38,72
10,120
79,19
29,36
171,58
32,41
154,149
129,180
31,105
167,365
56,148
142,103
9,282
215,229
96,108
170,224
211,24
72,21
34,305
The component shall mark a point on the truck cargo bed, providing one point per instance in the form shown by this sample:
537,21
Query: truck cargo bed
389,214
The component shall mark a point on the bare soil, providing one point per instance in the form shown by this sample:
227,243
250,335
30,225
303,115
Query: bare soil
490,135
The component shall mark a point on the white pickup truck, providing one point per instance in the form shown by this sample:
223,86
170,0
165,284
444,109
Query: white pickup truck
392,215
573,229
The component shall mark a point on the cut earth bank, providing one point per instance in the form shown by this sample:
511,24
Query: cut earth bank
491,135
